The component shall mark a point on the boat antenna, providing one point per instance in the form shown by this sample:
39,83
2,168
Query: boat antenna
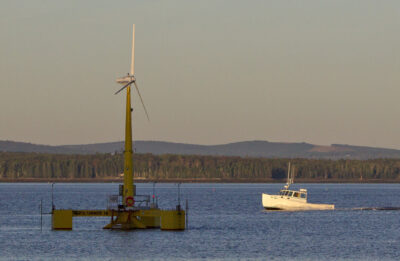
292,179
288,178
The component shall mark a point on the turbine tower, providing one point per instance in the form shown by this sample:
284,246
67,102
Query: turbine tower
129,187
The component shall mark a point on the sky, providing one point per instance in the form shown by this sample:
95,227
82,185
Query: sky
210,71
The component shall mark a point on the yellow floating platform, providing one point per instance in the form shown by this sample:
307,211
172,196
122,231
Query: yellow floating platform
124,219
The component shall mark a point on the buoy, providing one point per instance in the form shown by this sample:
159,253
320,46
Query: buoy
129,201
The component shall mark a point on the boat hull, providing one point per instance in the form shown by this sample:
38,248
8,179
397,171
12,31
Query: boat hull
278,202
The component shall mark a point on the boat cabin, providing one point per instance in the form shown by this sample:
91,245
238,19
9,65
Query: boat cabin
302,193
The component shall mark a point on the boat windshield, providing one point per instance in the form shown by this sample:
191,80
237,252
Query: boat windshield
291,193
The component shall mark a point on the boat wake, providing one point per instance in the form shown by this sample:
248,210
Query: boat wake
341,209
376,208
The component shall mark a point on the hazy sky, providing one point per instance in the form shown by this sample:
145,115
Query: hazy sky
210,71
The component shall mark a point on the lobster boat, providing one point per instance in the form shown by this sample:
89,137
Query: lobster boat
291,200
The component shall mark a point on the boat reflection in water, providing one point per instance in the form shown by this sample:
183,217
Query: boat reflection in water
291,200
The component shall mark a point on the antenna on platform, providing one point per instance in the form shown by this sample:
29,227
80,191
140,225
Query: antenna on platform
187,213
52,197
179,196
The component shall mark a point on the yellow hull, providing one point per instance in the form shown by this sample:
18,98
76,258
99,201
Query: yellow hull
124,219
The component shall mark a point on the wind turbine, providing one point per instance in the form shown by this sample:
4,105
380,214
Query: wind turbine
129,215
129,188
130,78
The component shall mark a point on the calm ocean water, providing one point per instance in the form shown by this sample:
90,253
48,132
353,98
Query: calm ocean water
226,221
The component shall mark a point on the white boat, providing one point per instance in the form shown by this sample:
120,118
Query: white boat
291,200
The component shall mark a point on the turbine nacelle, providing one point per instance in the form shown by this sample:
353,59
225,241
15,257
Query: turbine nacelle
126,79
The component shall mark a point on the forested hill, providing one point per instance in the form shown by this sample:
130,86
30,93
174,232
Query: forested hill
148,167
263,149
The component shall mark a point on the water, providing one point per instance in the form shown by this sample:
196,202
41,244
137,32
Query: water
226,221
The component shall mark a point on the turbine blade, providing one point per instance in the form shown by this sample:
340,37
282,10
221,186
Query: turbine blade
126,85
133,52
140,96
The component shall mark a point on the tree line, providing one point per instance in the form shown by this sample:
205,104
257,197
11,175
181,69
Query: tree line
14,166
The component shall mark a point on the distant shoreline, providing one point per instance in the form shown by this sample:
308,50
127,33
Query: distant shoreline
247,148
119,180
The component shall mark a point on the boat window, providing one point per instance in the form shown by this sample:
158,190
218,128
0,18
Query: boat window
296,194
290,193
302,195
286,193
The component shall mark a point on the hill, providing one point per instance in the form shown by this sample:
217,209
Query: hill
256,148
